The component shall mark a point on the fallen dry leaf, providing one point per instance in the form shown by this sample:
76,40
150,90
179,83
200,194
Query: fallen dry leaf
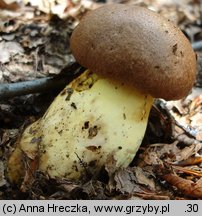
187,114
31,167
63,8
188,151
150,196
157,154
9,49
187,187
2,177
125,182
9,4
144,178
94,190
190,161
188,171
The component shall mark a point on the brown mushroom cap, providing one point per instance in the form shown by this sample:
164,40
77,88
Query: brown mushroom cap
137,47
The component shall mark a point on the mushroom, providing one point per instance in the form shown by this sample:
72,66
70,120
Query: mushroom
133,55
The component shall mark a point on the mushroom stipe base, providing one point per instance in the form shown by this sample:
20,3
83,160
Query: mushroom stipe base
92,120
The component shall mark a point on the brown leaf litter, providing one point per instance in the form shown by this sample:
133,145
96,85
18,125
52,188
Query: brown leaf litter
168,164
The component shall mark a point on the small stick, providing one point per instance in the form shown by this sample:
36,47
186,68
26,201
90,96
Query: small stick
9,90
197,45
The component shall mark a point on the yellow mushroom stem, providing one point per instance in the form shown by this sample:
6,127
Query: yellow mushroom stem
92,120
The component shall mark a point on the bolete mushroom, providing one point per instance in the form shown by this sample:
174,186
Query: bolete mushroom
133,55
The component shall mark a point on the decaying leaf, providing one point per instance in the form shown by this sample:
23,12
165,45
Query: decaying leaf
187,152
9,4
171,153
190,161
150,196
189,171
2,177
9,49
125,182
187,187
133,180
188,114
30,173
63,8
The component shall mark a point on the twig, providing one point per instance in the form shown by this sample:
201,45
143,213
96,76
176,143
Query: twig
197,45
21,88
9,90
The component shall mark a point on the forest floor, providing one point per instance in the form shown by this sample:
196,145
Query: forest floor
34,43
